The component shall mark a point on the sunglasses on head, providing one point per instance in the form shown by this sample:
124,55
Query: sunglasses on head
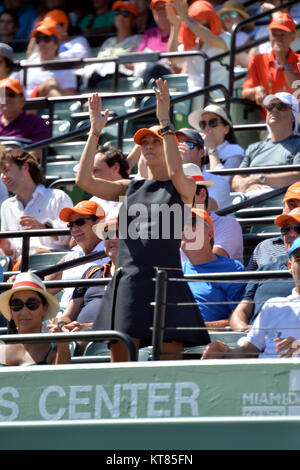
232,14
124,13
33,303
286,229
213,122
80,222
279,106
45,38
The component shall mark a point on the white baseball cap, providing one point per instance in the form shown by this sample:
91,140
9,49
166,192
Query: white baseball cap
190,169
286,98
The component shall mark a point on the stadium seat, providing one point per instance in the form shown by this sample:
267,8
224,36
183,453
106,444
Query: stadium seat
124,84
60,127
73,148
43,260
61,169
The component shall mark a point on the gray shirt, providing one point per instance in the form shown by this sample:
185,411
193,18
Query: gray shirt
268,153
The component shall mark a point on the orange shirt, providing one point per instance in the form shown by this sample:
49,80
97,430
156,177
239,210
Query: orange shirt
264,71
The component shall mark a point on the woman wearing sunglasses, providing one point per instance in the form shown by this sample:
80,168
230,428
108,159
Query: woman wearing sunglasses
26,306
125,41
232,13
216,129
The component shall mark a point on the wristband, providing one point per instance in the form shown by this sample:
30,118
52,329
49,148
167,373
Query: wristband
96,134
166,130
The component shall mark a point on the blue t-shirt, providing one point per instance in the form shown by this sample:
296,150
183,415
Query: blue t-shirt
218,292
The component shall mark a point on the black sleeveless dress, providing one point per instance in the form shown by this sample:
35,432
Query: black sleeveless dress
144,246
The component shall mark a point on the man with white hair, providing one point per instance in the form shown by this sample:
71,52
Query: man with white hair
282,147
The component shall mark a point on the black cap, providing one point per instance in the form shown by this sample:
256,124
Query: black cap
191,134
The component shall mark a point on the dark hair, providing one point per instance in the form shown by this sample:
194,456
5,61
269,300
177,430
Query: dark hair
114,155
230,137
198,189
20,157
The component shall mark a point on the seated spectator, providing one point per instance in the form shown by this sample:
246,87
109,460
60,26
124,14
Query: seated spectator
9,25
231,13
41,82
259,292
33,206
124,42
26,306
216,128
270,249
191,147
26,16
100,21
6,60
72,45
81,220
82,309
275,328
276,71
155,39
282,148
197,244
15,123
200,29
228,235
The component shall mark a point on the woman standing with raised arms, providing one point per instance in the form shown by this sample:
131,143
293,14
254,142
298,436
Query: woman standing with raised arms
126,306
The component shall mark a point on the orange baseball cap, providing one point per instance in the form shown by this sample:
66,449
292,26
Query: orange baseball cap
128,6
47,27
83,208
292,192
282,219
153,130
284,21
59,16
13,84
155,2
204,216
140,134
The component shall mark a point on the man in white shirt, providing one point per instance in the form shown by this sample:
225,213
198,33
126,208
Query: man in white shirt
32,207
81,219
276,328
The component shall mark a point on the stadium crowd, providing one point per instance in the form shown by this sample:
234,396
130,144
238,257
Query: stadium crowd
190,164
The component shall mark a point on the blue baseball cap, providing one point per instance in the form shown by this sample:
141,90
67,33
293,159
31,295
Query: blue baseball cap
295,246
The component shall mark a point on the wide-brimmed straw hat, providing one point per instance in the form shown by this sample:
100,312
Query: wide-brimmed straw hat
29,281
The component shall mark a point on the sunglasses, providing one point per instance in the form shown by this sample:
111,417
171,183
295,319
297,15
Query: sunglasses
124,13
45,38
16,305
213,122
12,94
232,14
286,228
279,106
191,145
80,222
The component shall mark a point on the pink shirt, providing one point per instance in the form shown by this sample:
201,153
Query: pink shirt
153,39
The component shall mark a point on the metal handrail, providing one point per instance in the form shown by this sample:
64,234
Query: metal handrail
111,335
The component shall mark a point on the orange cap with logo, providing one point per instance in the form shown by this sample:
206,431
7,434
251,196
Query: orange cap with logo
83,208
284,21
59,16
127,6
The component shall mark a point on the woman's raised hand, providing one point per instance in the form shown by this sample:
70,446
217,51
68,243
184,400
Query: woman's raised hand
97,119
162,100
